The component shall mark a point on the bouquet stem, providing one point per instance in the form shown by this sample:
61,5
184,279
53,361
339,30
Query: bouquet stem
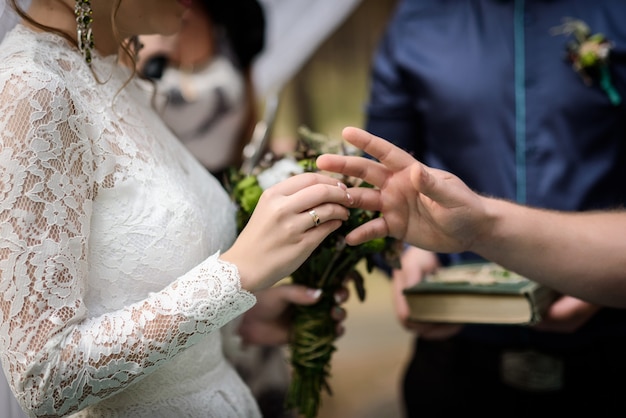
311,347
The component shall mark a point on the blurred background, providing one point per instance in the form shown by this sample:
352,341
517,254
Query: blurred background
328,93
330,89
370,357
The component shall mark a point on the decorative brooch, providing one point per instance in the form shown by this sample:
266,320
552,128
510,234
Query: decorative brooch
589,55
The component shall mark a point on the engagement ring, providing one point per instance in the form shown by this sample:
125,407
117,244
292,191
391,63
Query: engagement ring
316,219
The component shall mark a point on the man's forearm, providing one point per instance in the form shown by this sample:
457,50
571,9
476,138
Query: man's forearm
581,254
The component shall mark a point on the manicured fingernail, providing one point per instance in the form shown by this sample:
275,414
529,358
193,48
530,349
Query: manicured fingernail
315,293
345,189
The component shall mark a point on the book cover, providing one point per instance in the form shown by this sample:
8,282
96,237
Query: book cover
478,293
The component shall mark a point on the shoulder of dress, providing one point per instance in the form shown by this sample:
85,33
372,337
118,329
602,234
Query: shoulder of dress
25,52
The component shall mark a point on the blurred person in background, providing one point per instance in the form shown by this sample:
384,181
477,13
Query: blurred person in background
205,95
520,100
203,77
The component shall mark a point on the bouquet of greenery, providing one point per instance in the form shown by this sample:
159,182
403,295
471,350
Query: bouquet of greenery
312,342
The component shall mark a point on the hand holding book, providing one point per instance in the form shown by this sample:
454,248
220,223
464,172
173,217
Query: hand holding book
478,293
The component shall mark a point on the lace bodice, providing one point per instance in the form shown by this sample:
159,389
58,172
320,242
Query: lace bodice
112,292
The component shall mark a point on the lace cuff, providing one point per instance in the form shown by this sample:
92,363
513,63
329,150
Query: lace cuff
220,300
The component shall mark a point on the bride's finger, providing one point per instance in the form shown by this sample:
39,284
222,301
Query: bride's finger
298,182
324,213
313,236
319,194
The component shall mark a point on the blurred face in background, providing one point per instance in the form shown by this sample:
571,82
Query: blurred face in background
136,17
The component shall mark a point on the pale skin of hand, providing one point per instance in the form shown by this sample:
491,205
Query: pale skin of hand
566,315
415,264
268,322
435,210
278,238
280,234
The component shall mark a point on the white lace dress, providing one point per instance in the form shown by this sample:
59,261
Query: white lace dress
112,297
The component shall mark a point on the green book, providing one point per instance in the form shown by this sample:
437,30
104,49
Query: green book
480,293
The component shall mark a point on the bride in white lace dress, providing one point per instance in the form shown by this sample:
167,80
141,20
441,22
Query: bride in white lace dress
117,250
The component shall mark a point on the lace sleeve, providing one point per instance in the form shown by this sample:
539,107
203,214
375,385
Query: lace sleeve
57,359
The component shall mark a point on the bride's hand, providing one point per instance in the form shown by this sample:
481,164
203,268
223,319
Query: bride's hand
269,321
282,231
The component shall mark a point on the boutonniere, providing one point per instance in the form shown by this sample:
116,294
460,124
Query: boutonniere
589,55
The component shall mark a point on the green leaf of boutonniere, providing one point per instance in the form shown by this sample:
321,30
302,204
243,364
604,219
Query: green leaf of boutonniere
589,55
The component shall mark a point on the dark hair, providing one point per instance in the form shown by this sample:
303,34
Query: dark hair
244,24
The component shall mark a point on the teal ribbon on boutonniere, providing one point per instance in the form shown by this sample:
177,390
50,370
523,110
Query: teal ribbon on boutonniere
589,55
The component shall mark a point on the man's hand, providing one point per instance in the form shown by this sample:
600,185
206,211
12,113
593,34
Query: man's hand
567,315
268,322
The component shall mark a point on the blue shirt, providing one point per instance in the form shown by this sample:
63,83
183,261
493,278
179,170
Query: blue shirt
482,88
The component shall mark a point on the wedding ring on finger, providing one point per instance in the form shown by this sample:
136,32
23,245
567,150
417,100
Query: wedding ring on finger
315,218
